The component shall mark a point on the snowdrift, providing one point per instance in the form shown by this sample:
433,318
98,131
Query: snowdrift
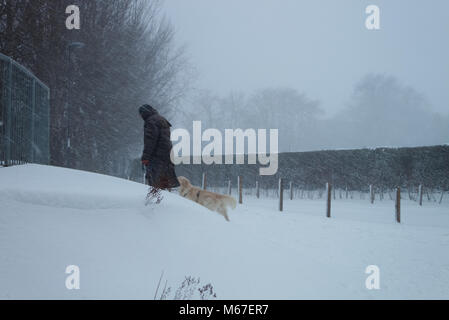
51,218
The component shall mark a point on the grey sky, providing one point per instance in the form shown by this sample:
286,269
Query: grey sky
320,47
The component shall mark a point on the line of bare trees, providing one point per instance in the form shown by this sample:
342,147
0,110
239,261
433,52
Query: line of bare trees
381,111
124,55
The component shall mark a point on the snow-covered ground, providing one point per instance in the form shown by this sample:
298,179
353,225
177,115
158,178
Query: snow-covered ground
51,218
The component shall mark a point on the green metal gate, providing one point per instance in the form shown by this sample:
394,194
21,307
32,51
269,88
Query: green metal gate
24,116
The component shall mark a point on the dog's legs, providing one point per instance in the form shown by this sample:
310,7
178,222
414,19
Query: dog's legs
222,210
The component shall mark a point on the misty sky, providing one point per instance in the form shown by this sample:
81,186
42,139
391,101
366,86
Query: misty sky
320,47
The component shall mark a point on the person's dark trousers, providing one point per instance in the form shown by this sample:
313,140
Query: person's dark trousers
155,176
150,175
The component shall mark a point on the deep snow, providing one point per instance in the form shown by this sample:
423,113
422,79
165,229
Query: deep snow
53,217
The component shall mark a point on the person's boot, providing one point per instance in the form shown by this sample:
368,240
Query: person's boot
154,196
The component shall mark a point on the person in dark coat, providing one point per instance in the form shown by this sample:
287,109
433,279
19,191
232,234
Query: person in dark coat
160,170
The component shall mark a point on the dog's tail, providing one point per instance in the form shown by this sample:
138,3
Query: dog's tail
230,201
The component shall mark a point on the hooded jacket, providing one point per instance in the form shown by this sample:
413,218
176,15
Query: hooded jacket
157,148
157,143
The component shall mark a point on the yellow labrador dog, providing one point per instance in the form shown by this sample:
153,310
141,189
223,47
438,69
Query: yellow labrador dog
212,201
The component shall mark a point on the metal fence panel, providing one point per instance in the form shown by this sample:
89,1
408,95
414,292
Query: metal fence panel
24,115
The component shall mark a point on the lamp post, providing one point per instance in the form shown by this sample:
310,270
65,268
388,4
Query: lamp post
72,45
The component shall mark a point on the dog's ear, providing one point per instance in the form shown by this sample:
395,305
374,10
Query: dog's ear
183,181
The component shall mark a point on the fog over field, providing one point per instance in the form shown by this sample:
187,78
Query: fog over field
313,70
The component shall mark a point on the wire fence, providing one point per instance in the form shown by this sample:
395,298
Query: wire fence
24,116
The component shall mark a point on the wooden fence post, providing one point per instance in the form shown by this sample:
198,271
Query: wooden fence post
398,205
239,182
371,193
204,187
420,194
281,194
291,190
329,196
346,192
257,190
229,187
